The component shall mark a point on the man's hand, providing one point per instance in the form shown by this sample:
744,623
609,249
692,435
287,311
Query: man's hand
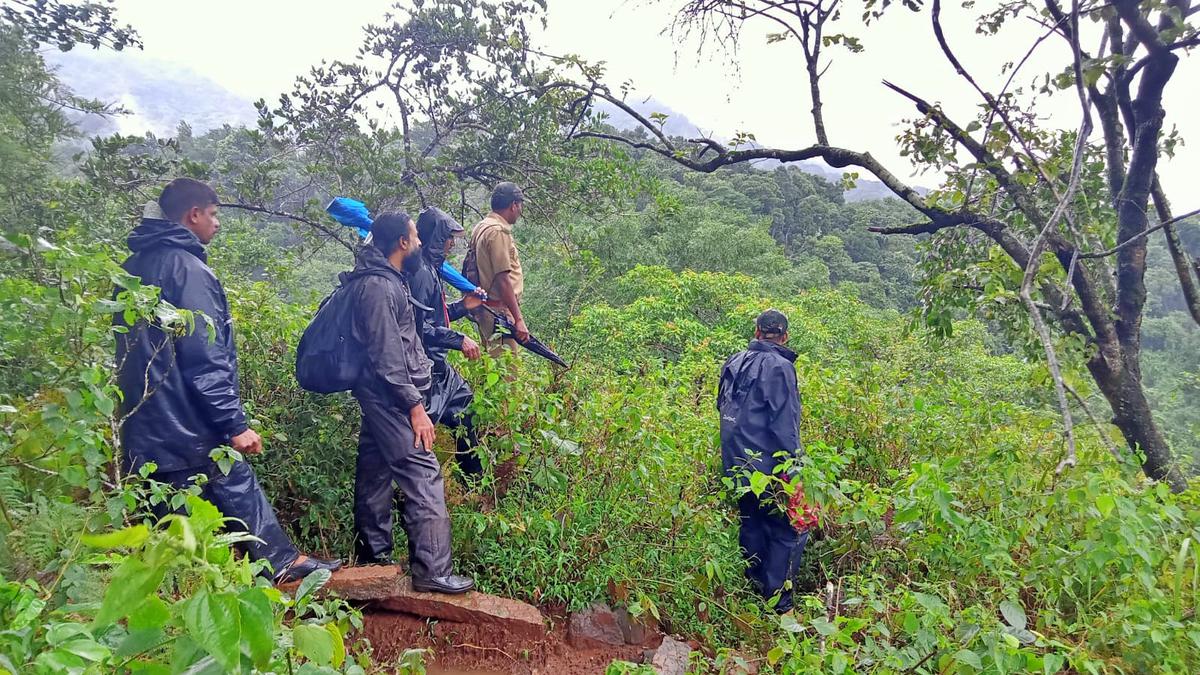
522,333
474,299
423,435
248,442
470,348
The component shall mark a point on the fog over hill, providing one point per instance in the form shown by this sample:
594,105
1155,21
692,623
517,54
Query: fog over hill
158,95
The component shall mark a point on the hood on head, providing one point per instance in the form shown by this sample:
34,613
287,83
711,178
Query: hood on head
157,231
435,227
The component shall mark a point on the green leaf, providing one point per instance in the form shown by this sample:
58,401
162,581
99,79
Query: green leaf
62,632
59,661
139,641
1105,503
153,613
1052,663
759,482
339,645
206,666
130,537
790,624
931,602
775,655
258,625
313,643
180,527
968,657
87,649
824,627
205,517
312,583
1180,561
213,620
131,583
1014,614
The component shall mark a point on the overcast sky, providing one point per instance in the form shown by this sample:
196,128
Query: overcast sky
256,47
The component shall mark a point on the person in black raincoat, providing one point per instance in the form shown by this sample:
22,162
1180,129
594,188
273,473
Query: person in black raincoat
396,440
180,393
759,403
451,395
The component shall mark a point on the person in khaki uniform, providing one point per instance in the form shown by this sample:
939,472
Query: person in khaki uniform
499,266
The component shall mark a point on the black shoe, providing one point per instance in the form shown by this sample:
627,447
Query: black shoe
452,584
370,562
297,571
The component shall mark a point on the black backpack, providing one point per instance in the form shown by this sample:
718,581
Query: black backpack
328,358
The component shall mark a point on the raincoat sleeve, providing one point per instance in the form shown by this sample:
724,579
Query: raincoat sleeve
378,329
456,310
206,355
440,336
426,289
782,398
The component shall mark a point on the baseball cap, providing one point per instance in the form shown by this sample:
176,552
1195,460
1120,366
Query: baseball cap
506,193
772,323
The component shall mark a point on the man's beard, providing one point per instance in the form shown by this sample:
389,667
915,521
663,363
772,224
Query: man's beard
412,262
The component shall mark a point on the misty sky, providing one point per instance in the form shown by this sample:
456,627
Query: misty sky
256,47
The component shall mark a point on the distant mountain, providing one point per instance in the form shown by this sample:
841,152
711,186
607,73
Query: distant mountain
157,94
676,124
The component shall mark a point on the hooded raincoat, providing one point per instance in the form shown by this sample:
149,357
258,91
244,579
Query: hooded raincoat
180,393
450,396
759,403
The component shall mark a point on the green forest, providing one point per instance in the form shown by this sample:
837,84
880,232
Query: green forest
999,373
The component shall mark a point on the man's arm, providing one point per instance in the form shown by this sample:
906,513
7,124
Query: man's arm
779,390
377,330
205,364
440,337
503,287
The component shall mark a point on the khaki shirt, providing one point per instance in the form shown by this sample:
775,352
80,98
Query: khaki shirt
496,253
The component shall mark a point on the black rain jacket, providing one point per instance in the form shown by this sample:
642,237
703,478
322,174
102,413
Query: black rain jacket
396,370
435,227
759,403
180,393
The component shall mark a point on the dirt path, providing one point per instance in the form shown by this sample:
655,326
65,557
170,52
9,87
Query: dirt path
481,649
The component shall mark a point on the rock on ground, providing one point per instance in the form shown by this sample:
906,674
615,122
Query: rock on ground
517,618
385,587
640,630
671,657
595,626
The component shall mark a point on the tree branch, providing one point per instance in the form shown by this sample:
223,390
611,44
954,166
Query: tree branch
300,219
1139,236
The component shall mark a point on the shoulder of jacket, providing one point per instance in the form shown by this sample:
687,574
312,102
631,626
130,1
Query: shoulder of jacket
178,259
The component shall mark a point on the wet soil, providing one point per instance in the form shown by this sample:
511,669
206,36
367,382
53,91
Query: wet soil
486,649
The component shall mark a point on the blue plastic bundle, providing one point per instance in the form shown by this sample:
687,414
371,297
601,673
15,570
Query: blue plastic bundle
351,213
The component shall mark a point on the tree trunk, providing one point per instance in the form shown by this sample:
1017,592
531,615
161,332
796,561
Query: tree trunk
1122,387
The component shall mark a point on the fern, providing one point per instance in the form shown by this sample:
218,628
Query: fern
45,529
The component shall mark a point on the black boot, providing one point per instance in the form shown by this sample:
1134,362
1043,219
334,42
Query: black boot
297,571
451,584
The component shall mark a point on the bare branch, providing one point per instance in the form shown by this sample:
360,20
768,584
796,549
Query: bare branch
1140,235
300,219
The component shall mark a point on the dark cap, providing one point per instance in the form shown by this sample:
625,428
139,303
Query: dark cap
505,194
772,323
387,230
